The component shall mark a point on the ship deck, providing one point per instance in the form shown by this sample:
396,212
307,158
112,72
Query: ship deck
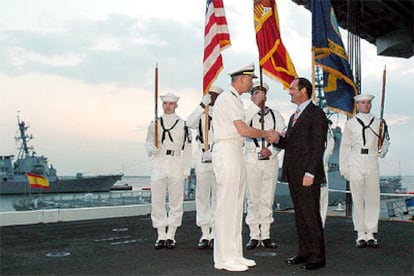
124,246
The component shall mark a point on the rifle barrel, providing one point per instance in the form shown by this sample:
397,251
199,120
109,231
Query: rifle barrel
381,125
156,107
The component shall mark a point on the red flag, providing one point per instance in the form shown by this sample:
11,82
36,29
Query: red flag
273,57
216,39
37,181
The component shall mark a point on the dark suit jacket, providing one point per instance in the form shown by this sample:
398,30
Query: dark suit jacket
304,145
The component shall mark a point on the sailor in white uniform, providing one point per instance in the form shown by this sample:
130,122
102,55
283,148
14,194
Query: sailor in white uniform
330,145
206,183
359,164
229,168
262,166
171,162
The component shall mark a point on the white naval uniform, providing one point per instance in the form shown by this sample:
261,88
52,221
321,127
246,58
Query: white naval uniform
229,169
261,176
206,183
170,163
324,200
359,164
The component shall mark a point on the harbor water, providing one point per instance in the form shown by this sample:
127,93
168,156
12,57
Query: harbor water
140,193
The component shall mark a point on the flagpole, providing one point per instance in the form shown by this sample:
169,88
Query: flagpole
313,76
263,105
206,127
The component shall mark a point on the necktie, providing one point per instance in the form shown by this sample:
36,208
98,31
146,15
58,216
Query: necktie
295,116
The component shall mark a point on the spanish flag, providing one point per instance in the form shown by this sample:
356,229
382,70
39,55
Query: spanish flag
37,181
273,56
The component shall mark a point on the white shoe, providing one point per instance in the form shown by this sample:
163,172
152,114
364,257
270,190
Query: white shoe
247,262
362,236
231,266
370,236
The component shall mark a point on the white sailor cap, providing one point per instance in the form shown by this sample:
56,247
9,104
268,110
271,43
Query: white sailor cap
215,89
258,86
364,97
170,98
245,70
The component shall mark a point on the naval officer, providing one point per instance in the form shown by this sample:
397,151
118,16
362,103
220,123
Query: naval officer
171,161
229,168
358,163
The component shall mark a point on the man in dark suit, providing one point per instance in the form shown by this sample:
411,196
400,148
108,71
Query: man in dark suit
304,144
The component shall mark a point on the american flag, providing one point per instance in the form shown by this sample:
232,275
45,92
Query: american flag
216,39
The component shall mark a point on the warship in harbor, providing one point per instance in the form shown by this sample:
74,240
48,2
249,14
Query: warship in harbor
13,179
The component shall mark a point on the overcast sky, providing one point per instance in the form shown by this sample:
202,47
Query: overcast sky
81,73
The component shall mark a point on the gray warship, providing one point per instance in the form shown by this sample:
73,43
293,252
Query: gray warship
13,179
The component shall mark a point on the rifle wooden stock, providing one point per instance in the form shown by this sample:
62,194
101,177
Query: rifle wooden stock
156,108
380,130
381,125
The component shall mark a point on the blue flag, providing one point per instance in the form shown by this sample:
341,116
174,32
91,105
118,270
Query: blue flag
330,54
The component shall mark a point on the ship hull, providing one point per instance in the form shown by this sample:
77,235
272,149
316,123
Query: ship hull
100,183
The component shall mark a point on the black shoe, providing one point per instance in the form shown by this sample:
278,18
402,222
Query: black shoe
268,243
361,243
313,265
296,260
159,244
252,244
372,243
203,244
211,243
170,244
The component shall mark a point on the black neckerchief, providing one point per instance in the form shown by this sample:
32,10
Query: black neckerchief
164,130
200,136
364,127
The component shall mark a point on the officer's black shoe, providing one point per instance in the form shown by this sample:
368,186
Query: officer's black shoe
361,243
203,244
170,244
252,244
159,244
268,243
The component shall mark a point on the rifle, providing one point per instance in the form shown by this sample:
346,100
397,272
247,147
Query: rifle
156,107
381,125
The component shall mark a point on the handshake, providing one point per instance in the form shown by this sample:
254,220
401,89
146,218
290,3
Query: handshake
272,136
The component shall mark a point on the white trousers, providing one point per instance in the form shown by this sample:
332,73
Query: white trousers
365,189
161,217
261,179
229,169
324,200
205,201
